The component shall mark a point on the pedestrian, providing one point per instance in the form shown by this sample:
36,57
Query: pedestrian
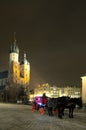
41,110
33,106
50,106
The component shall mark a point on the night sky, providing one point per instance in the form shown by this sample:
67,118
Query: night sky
53,35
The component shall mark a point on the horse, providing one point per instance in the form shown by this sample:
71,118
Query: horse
65,102
72,105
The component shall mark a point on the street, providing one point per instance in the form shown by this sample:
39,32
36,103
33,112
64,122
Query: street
20,117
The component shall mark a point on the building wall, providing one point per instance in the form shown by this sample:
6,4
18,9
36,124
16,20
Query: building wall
19,76
54,91
83,89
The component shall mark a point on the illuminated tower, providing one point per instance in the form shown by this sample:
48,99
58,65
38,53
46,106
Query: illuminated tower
25,71
14,63
14,53
83,89
19,72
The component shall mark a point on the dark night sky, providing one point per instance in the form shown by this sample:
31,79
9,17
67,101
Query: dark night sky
53,35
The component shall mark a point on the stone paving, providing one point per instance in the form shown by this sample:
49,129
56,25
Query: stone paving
20,117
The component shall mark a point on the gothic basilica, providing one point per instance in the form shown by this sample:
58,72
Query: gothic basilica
14,82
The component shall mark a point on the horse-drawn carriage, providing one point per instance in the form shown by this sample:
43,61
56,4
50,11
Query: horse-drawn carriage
60,104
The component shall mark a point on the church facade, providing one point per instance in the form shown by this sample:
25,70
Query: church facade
16,82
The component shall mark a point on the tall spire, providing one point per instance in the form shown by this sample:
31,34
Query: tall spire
15,37
24,55
25,60
14,47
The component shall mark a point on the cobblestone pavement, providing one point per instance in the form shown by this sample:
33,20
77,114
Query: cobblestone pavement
20,117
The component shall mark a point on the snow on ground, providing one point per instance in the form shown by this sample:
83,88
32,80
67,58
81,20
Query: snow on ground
20,117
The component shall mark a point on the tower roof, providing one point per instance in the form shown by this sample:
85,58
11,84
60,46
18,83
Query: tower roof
24,60
14,47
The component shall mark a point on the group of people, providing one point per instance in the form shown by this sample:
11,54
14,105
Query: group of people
48,106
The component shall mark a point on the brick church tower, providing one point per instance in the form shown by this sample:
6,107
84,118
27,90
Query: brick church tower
19,71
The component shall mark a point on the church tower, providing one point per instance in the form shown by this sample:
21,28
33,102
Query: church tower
19,72
14,63
14,52
25,70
